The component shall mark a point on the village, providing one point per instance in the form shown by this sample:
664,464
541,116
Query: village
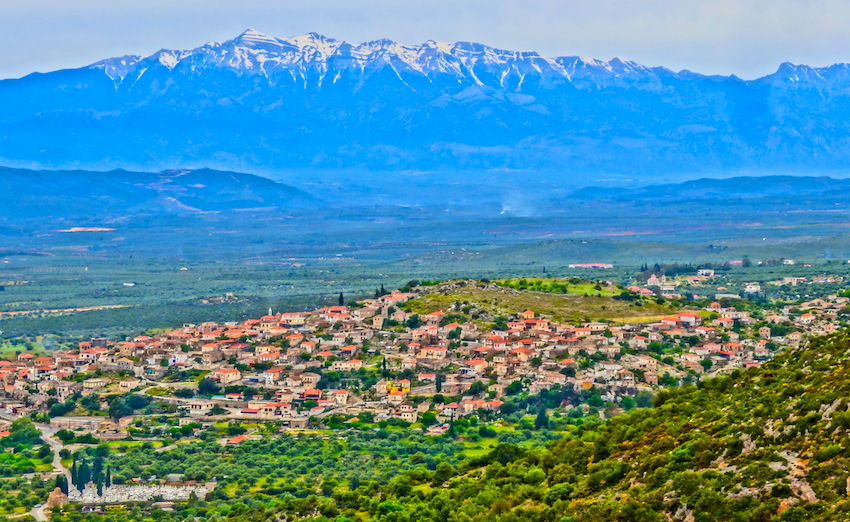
377,359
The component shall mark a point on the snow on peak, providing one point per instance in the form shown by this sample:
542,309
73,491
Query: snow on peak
305,56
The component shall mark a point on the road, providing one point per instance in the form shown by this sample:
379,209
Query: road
48,434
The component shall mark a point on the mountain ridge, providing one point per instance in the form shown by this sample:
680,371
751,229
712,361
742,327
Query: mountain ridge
315,102
322,48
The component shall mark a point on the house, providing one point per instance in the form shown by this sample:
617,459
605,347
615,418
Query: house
398,386
273,375
200,407
237,439
124,364
432,352
639,342
311,395
91,385
128,384
807,318
340,397
228,375
407,412
347,366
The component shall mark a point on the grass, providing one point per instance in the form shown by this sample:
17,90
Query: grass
639,319
125,443
560,286
559,307
480,448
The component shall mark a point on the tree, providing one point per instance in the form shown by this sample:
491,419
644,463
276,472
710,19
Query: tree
100,485
413,321
119,408
74,473
62,483
644,399
513,388
706,364
429,418
627,403
207,387
108,476
83,475
439,383
341,300
476,388
24,432
66,436
185,393
542,420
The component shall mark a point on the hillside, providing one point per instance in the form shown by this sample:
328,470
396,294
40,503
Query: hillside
757,445
315,102
582,301
76,193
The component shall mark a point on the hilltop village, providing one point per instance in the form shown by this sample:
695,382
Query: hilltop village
377,359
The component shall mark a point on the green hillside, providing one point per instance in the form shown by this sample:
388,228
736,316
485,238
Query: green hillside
761,444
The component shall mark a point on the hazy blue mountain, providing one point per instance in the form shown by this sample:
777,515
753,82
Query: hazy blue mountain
58,195
310,101
742,187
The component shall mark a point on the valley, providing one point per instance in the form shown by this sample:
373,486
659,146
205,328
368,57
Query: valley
494,397
305,279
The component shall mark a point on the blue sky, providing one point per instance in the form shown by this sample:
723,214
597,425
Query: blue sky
749,38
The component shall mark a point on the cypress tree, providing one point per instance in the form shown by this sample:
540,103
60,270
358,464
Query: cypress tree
542,420
341,300
74,473
383,292
108,476
451,432
100,485
84,475
62,483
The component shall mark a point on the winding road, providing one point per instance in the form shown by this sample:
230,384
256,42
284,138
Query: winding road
48,434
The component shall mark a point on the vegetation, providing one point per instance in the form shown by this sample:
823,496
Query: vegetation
480,302
756,445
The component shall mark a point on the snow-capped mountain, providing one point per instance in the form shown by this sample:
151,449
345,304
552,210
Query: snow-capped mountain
312,101
314,58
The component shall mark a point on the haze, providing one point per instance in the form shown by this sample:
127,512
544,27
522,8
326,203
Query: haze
746,38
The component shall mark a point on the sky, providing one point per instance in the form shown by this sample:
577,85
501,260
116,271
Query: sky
748,38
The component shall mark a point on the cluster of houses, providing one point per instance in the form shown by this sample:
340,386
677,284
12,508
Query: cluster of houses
286,356
676,287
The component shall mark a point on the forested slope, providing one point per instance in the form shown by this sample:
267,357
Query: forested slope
760,444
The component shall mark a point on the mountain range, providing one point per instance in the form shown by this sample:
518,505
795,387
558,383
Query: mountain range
258,102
